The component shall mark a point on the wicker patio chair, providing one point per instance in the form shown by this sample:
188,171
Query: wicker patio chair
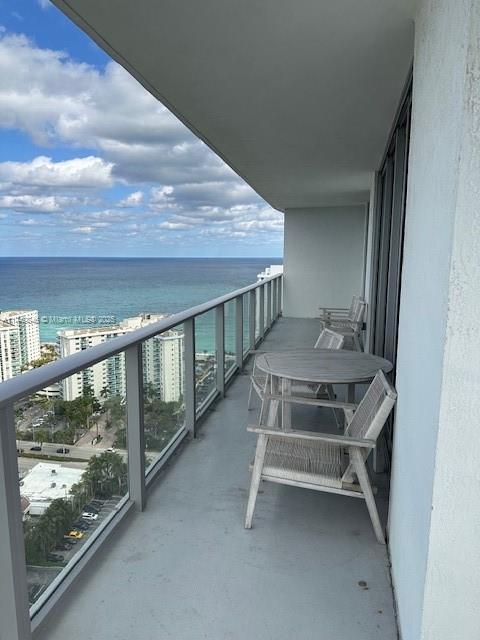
324,461
348,322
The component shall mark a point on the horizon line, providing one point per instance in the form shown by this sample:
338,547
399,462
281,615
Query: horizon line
159,257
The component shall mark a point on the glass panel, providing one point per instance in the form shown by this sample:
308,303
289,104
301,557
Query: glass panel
72,464
205,360
229,311
163,391
246,322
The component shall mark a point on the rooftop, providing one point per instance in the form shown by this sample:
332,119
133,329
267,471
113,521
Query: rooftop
47,481
186,568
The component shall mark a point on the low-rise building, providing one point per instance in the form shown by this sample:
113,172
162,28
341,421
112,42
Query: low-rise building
46,482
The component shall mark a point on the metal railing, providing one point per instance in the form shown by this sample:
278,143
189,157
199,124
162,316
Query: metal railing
16,616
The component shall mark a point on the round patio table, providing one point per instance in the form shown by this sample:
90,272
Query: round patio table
320,366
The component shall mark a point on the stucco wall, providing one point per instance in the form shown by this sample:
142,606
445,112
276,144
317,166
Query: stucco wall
434,493
323,258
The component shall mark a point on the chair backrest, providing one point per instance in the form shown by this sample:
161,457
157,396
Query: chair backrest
370,416
373,410
329,339
353,306
357,310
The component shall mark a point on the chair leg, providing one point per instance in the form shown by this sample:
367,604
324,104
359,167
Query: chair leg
357,343
249,406
364,480
256,477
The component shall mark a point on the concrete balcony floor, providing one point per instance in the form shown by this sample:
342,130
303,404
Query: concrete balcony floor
186,568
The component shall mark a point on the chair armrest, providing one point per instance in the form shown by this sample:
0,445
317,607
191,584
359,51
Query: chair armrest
336,309
344,441
317,402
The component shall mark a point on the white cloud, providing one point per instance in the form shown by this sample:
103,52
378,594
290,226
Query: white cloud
133,200
174,225
32,203
44,4
86,173
83,229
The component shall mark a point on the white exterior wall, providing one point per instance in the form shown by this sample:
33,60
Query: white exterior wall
435,497
19,341
9,347
323,258
163,360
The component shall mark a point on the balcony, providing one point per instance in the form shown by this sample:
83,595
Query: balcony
186,568
172,558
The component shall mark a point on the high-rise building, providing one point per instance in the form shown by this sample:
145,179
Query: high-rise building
162,356
19,341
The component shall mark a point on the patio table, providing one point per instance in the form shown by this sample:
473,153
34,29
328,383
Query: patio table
317,366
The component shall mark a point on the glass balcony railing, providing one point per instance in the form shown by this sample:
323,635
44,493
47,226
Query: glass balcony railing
72,466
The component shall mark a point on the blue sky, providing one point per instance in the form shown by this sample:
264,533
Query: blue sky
91,164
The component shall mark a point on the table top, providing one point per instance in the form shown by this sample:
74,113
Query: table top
333,366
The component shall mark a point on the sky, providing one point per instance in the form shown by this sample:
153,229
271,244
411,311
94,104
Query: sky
92,165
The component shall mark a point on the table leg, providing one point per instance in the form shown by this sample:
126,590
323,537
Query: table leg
351,392
286,406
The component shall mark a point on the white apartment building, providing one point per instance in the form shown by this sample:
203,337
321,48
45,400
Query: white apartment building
19,341
163,360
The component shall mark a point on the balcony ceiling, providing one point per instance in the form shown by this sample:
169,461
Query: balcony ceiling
297,97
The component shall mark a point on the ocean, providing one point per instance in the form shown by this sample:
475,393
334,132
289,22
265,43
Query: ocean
68,291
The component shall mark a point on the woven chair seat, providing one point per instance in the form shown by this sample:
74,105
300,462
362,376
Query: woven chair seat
309,389
316,463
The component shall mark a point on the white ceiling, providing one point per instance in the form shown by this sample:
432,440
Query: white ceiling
296,96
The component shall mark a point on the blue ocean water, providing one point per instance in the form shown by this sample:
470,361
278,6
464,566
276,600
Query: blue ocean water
65,289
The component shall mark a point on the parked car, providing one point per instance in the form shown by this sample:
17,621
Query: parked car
111,450
74,534
82,525
70,541
36,448
63,546
89,508
89,516
63,450
20,450
55,557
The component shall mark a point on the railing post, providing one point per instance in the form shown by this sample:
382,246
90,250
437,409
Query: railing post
280,294
252,317
239,332
261,315
269,304
220,347
135,425
14,611
190,382
275,298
